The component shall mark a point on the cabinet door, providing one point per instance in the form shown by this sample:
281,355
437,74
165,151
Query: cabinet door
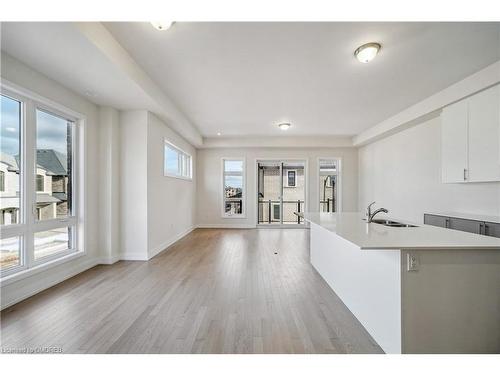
454,142
435,220
484,136
464,225
492,229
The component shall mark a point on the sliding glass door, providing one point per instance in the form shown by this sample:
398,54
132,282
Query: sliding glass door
281,192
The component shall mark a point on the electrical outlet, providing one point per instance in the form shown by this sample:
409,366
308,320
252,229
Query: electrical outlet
412,262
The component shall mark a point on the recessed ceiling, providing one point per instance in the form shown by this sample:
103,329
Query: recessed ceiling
243,79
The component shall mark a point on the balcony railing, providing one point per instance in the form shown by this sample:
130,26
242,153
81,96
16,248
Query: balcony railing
289,209
327,205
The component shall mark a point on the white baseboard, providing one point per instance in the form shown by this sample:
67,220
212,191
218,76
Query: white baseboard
9,298
158,249
110,260
226,226
133,256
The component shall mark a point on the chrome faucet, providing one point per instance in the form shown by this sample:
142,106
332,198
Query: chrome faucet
370,215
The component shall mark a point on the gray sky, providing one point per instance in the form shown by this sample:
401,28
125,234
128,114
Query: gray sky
51,130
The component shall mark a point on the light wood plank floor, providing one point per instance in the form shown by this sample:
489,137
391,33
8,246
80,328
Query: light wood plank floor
215,291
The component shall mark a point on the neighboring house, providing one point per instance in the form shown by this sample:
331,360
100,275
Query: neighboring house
51,186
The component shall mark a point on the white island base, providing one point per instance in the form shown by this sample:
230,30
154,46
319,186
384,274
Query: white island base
450,303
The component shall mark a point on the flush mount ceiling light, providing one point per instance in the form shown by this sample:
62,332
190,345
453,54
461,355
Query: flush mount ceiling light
284,125
367,52
163,25
218,134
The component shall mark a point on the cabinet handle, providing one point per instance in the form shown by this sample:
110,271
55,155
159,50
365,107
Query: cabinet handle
486,229
465,174
447,223
480,228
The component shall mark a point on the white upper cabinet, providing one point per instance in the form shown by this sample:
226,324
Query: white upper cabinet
470,138
454,142
484,135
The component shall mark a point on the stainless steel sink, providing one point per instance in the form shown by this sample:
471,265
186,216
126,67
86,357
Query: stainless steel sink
390,223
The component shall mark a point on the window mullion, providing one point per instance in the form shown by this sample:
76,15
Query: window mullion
29,168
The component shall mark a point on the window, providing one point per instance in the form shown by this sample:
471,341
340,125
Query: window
39,182
291,178
177,162
329,188
233,194
47,228
10,159
276,211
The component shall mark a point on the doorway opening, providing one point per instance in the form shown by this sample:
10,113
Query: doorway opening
281,192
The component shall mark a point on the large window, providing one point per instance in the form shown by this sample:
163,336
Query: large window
178,163
233,176
38,212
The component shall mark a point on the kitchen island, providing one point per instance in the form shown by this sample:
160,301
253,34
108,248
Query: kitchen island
420,289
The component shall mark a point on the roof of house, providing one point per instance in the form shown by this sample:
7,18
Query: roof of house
10,160
52,161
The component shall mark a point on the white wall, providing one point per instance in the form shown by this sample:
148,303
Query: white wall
403,174
134,185
171,201
19,74
156,210
209,185
109,197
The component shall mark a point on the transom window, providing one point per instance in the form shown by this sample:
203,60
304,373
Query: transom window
233,194
38,207
177,163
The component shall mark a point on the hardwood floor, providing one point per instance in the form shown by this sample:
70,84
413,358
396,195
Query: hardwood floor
215,291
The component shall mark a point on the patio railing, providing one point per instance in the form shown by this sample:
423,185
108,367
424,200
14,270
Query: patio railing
265,206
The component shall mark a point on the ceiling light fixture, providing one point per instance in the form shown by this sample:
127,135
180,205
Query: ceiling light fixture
218,134
163,25
284,125
367,52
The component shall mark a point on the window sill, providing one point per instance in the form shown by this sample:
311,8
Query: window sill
179,177
9,279
234,216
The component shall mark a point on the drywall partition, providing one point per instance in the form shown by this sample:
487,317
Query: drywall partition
109,197
209,183
403,173
156,210
171,201
134,185
17,73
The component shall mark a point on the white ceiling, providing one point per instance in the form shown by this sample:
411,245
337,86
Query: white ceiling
61,52
243,78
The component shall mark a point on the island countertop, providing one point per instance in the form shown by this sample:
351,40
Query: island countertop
352,227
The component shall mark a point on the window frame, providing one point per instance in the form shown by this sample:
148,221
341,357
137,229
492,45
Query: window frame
243,214
184,162
28,224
